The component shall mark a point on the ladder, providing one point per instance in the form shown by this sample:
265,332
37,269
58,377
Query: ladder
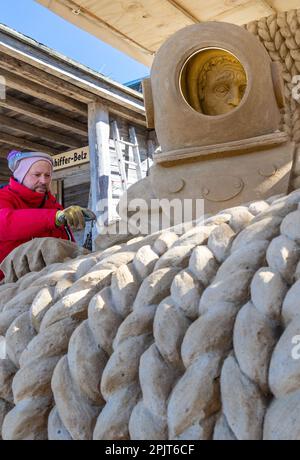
134,154
118,171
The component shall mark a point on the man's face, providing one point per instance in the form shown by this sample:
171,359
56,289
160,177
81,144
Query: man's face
224,89
39,177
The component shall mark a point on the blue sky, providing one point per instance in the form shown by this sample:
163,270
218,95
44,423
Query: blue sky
35,21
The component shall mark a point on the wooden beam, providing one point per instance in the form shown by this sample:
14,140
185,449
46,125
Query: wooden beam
44,115
122,112
43,78
36,131
61,121
48,95
93,18
98,122
104,33
19,142
185,12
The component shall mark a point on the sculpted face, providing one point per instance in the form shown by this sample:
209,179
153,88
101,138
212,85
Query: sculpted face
223,90
213,82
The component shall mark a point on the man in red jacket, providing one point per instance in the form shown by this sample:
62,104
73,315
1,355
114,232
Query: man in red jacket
28,209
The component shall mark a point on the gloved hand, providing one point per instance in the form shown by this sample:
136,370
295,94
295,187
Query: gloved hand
75,216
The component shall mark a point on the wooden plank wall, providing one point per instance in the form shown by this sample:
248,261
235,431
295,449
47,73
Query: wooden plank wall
77,179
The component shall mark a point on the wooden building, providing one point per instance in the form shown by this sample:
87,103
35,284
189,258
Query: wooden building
52,104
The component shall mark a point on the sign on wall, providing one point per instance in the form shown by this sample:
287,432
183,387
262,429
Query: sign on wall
71,158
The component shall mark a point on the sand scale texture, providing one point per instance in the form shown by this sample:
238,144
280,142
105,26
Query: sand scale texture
164,337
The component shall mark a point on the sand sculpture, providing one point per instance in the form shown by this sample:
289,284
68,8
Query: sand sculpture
146,340
217,123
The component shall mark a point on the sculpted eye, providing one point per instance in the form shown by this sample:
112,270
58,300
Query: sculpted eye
221,90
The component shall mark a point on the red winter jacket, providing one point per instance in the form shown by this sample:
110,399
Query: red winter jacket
24,216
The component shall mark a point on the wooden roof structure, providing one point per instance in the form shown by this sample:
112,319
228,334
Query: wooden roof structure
44,97
139,27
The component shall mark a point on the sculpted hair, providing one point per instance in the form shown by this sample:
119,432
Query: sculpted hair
210,64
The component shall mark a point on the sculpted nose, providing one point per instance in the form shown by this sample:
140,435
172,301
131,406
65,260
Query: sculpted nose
234,96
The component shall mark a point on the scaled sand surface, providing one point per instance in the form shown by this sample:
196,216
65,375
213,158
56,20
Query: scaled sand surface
165,337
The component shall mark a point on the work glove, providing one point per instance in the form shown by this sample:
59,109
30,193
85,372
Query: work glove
75,216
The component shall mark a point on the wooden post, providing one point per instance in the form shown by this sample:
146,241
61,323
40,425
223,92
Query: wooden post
100,164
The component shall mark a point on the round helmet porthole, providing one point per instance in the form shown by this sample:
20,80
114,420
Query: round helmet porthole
213,81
